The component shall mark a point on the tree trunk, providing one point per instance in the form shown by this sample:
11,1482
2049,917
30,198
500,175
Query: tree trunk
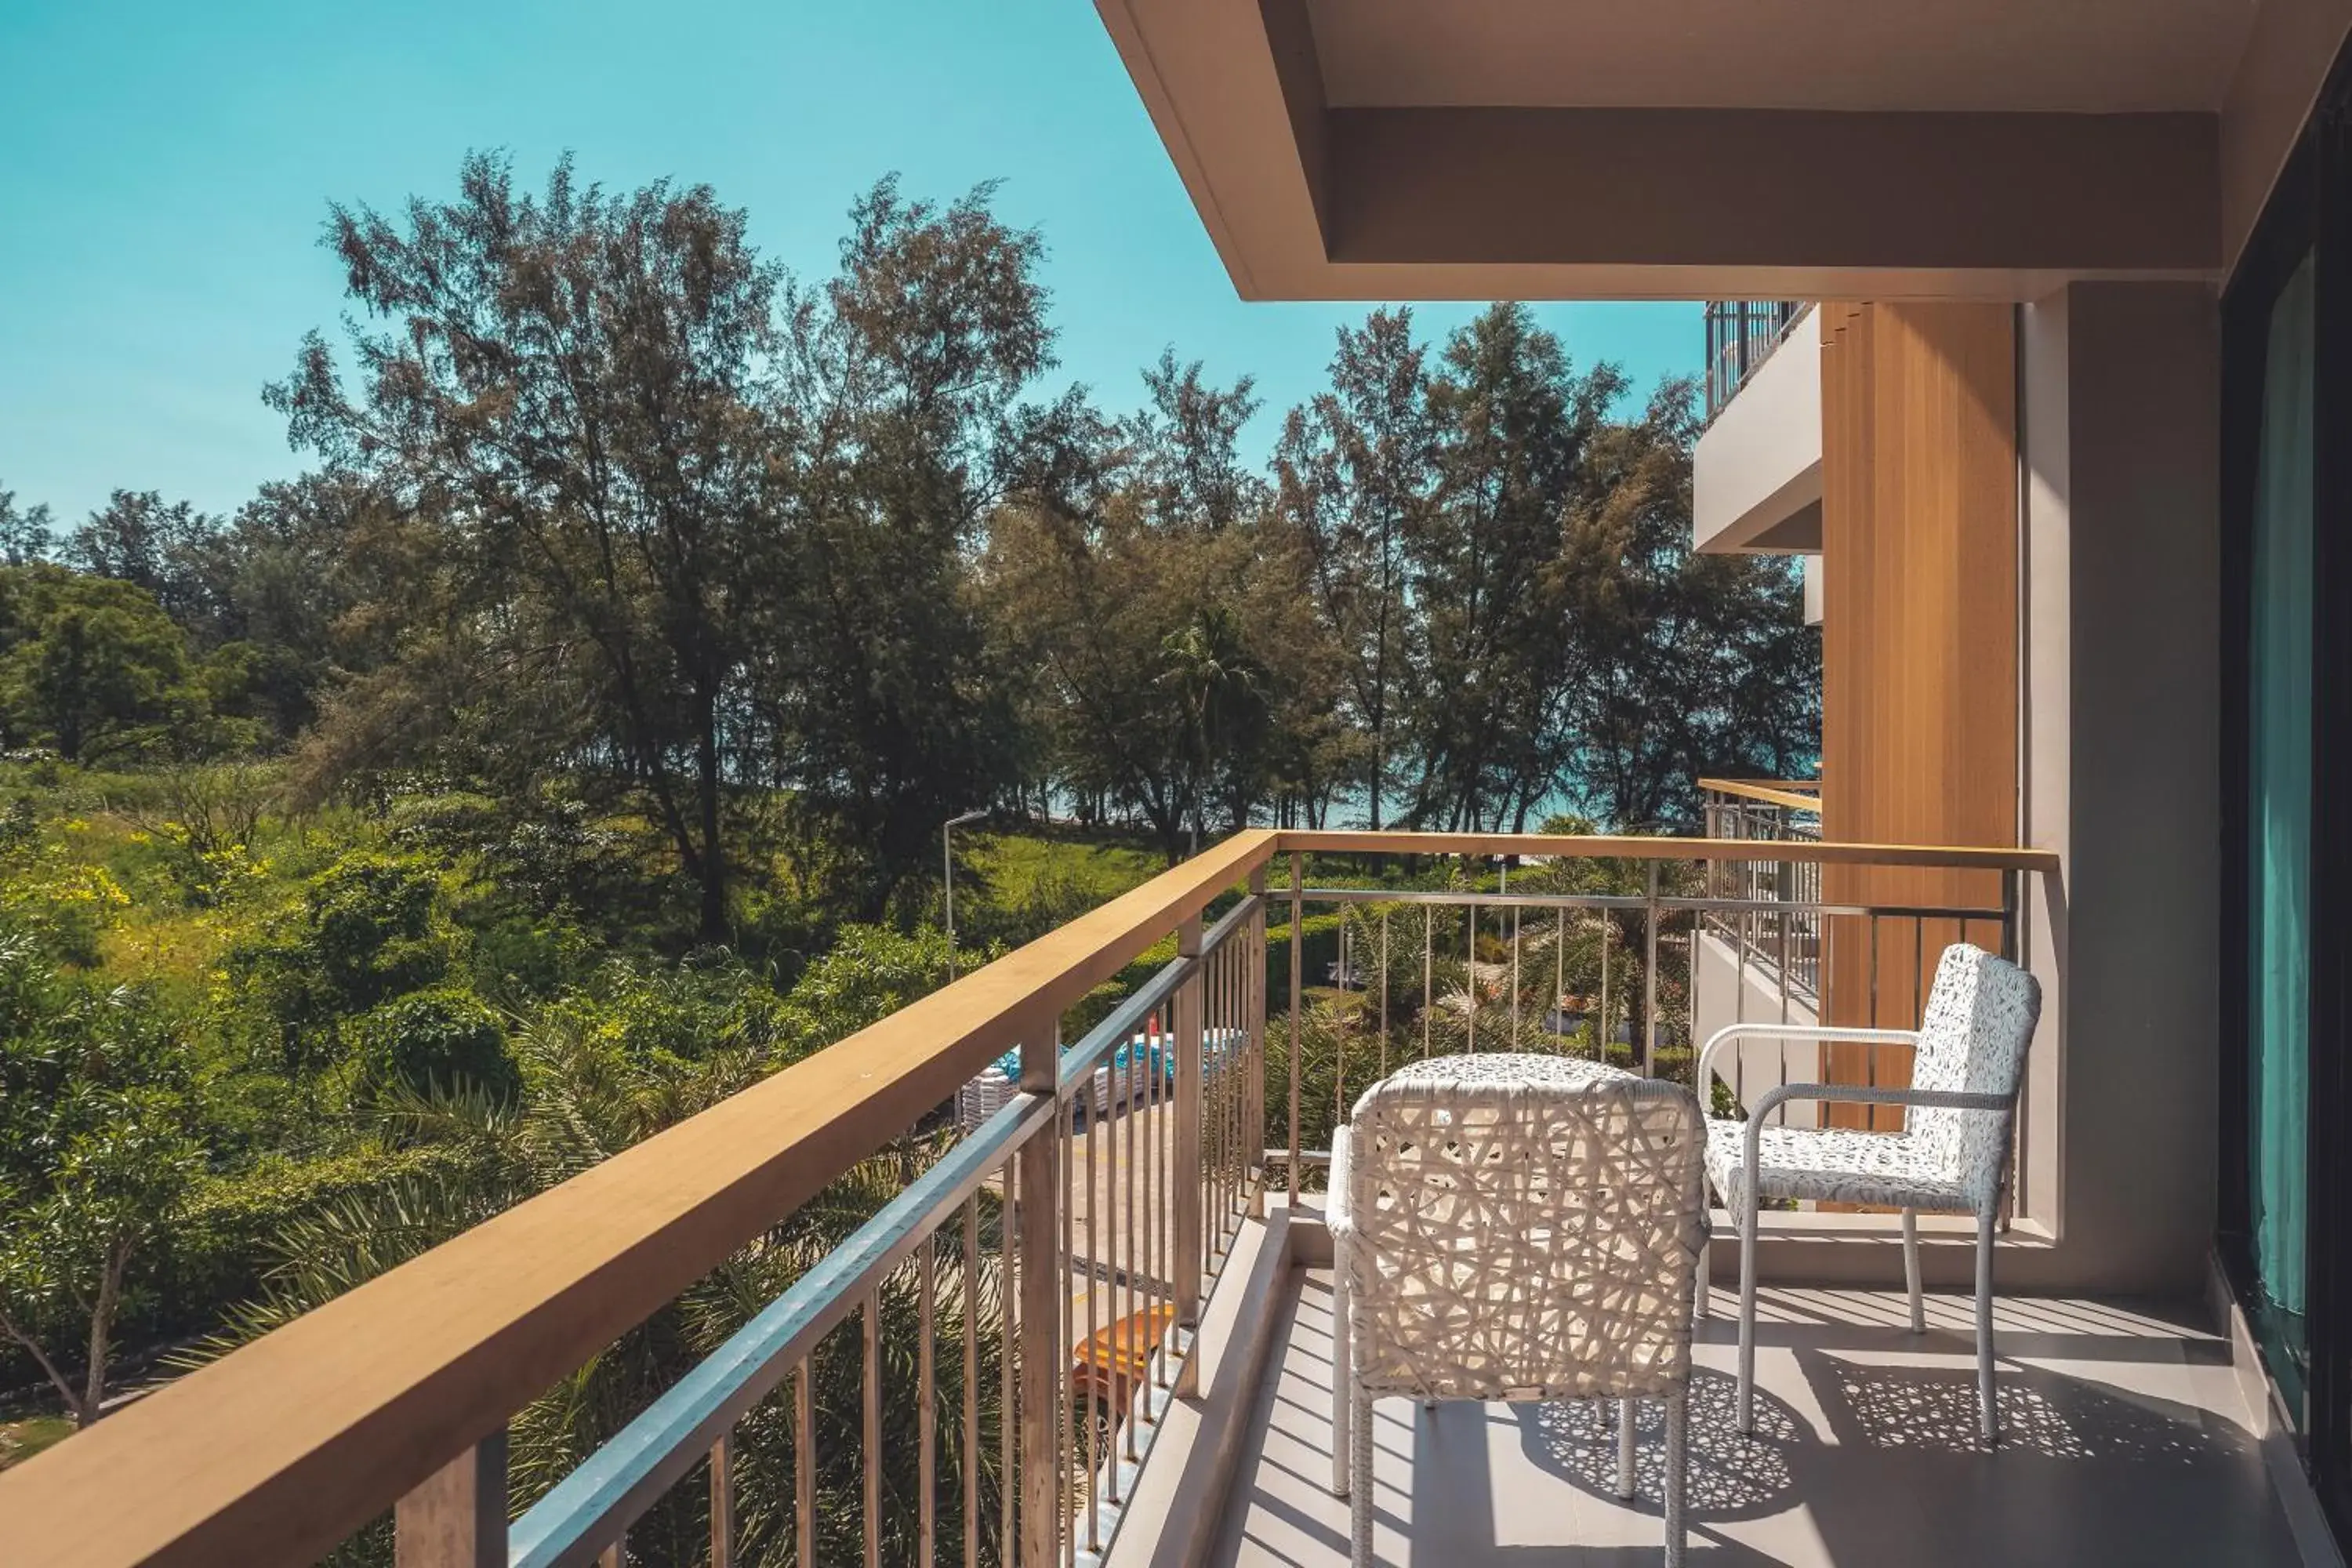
714,866
101,1324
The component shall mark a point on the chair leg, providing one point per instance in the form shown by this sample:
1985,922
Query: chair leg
1988,1413
1625,1450
1343,1376
1677,1474
1911,1270
1747,1412
1360,1493
1700,1287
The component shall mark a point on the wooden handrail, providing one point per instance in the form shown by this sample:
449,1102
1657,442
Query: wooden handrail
1772,792
280,1450
1598,847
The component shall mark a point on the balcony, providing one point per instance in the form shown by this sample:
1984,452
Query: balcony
2124,1441
1093,1326
1740,336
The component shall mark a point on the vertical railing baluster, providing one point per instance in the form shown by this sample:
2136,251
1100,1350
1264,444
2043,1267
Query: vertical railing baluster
1156,1113
1228,1121
1556,1013
1870,1053
1066,1431
722,1504
1045,1303
1237,1033
1213,1012
805,1464
1650,981
1008,1361
1265,992
1918,967
1213,1126
1125,1343
2011,948
1338,1038
1236,1097
926,1412
456,1517
1297,960
1470,978
1384,994
869,1348
1428,971
1690,990
1253,961
1514,977
1607,1025
1187,1185
1097,1209
970,1454
1218,1013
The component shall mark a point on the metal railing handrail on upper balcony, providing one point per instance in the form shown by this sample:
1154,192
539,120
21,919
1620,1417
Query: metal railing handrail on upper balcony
1789,794
282,1449
1741,335
1787,942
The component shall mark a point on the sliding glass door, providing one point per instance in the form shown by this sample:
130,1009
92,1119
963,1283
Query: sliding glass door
2278,849
2285,1090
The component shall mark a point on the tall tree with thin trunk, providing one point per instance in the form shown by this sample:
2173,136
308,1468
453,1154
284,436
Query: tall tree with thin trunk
574,382
1513,422
1353,471
1687,665
900,421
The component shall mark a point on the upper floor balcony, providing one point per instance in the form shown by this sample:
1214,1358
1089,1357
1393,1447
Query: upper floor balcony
1092,1324
1740,336
1758,466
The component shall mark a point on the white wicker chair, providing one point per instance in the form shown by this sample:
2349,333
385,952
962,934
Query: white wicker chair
1515,1229
1952,1156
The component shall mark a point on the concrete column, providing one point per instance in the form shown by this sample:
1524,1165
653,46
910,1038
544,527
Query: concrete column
2121,724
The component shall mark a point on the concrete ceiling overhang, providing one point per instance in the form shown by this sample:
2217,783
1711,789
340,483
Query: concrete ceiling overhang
1476,148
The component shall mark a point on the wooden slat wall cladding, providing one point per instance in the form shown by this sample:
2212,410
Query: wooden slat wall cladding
1919,546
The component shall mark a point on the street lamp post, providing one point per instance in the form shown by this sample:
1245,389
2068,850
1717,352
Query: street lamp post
947,860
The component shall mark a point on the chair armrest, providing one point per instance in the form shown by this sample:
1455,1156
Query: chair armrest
1721,1039
1336,1210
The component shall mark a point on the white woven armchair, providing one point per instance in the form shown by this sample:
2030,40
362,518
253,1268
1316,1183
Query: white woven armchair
1952,1156
1515,1229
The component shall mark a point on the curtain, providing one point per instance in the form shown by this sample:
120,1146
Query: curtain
2279,820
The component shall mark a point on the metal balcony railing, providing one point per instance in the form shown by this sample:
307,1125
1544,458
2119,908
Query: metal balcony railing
1778,928
1016,1323
1740,336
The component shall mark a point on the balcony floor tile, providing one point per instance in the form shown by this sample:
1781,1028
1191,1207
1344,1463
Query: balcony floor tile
2125,1441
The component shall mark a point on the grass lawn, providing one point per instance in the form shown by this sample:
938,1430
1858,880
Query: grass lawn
1022,868
23,1439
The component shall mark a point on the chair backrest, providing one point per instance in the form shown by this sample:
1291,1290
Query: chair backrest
1523,1228
1979,1020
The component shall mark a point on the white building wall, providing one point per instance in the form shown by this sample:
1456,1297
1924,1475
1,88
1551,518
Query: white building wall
1760,464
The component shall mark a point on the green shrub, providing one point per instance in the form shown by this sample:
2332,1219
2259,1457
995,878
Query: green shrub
1318,939
366,934
433,1041
869,973
224,1240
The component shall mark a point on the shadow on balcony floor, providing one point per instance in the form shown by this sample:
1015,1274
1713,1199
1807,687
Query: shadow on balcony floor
2124,1442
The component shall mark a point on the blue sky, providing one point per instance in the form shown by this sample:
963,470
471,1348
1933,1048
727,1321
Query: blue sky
167,168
